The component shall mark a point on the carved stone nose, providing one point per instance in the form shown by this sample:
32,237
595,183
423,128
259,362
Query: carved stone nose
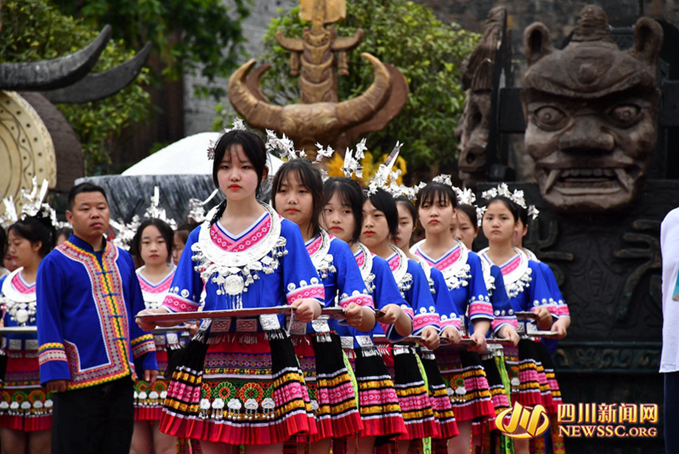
586,135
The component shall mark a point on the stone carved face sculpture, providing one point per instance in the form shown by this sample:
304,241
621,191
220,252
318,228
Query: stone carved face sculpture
473,127
591,113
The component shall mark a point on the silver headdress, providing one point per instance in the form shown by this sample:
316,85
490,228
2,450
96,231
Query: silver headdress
197,212
237,125
31,203
352,160
284,145
444,178
127,231
465,196
517,197
384,177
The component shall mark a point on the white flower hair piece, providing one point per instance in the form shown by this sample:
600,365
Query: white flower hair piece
444,178
465,196
352,160
503,190
323,152
385,178
284,145
533,212
397,190
480,211
237,125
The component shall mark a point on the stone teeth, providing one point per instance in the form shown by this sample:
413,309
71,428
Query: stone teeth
551,179
597,172
575,172
566,173
586,172
609,172
624,179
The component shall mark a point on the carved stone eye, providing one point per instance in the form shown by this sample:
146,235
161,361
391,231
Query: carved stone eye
625,114
550,117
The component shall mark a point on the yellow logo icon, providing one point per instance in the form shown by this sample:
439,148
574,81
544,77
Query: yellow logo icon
521,422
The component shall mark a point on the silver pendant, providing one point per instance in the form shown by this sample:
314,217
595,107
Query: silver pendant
234,285
22,316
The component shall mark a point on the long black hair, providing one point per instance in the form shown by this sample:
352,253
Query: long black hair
36,228
384,202
309,177
254,149
350,195
165,231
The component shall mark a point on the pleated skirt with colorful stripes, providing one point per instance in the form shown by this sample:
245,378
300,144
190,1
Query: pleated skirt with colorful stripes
26,406
412,391
530,385
331,384
378,402
148,400
238,389
467,384
446,427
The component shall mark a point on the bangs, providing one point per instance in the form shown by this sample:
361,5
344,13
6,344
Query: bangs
437,193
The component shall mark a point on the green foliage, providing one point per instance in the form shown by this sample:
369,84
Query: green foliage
407,35
191,36
33,30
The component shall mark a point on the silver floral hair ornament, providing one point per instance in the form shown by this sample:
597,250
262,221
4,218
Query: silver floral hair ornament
352,160
237,125
284,145
517,197
31,203
197,211
126,231
384,177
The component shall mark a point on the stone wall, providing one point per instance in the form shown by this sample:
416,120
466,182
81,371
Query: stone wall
199,114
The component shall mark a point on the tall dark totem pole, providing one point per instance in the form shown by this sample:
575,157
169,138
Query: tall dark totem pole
599,119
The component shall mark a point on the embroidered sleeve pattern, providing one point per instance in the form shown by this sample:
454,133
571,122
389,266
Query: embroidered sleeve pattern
142,345
313,289
559,309
426,318
358,298
178,301
480,308
450,320
52,352
503,318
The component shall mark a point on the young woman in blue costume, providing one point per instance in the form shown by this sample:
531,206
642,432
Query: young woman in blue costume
465,228
378,403
380,222
464,277
527,291
438,391
298,196
26,407
239,381
153,244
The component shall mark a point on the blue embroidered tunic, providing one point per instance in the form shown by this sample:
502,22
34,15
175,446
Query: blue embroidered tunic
414,286
86,304
461,269
267,265
380,283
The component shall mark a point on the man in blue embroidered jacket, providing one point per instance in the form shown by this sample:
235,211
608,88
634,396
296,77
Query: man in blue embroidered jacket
90,348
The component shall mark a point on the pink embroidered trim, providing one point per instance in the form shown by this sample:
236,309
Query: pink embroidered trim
423,320
314,245
408,310
503,320
21,286
394,262
176,303
511,265
161,287
360,258
444,262
361,300
245,240
310,291
560,310
480,309
456,322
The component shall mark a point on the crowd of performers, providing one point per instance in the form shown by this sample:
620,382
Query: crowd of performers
412,365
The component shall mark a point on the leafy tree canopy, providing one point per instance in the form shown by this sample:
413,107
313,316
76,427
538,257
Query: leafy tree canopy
407,35
198,37
33,30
